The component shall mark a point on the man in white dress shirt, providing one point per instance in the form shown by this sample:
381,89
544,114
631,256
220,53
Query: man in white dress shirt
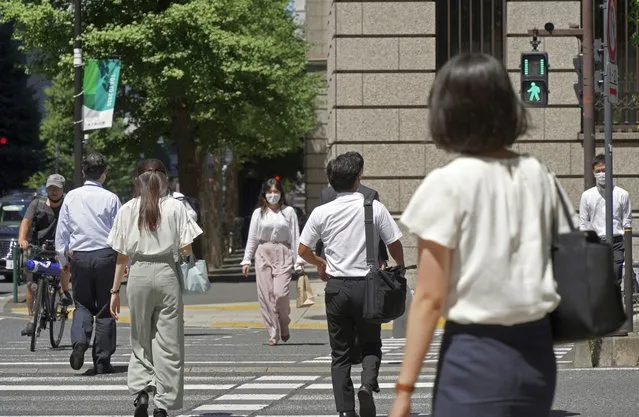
592,212
86,218
340,225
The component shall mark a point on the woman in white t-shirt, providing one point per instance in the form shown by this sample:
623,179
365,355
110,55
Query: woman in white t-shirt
484,226
152,230
273,239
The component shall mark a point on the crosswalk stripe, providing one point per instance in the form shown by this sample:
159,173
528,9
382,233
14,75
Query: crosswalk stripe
251,397
288,378
203,387
383,385
258,385
230,407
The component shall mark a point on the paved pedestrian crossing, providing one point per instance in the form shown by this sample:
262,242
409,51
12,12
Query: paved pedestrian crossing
392,352
228,373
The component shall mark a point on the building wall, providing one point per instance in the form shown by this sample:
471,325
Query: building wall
381,65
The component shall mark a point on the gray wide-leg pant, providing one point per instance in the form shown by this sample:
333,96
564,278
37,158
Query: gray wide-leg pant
157,332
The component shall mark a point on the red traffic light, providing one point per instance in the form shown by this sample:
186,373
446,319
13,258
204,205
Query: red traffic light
4,140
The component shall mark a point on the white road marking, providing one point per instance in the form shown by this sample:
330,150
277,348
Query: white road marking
230,407
251,397
268,386
211,387
288,378
383,385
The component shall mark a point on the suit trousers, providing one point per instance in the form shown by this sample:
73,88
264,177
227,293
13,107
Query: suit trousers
273,271
344,310
92,275
157,332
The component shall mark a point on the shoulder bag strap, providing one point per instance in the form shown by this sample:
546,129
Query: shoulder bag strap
561,199
370,243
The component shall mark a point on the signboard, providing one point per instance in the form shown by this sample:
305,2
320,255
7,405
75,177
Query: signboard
100,89
612,70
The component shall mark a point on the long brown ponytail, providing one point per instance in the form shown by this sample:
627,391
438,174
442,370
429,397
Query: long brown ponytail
151,184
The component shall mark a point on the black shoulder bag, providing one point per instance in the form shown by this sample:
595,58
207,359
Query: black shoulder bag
590,305
385,289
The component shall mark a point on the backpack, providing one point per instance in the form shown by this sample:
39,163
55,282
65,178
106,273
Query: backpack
192,206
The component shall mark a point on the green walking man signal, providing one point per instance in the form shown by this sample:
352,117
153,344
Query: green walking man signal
534,78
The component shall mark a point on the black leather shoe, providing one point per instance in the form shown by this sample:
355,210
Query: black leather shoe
141,404
77,356
160,412
348,414
366,402
103,369
28,330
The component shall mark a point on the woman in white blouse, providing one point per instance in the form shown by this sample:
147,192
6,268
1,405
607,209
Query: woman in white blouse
484,227
272,240
153,229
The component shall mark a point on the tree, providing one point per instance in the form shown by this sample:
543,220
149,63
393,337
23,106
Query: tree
205,74
19,117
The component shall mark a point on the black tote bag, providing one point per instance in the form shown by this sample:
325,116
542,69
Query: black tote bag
583,266
385,290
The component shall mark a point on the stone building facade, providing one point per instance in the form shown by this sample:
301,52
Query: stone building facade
381,57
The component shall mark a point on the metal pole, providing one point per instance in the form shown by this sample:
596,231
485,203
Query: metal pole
608,134
628,285
588,92
78,75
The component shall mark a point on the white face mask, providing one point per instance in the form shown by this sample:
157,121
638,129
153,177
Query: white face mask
273,198
600,177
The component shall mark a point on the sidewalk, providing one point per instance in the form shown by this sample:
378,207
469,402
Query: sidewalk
229,315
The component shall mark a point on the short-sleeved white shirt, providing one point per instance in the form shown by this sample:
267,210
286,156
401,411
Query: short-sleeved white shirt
176,230
340,225
497,216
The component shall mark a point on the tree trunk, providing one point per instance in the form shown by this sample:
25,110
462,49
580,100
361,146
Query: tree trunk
232,198
211,208
182,135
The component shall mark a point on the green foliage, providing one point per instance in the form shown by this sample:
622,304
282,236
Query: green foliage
236,66
19,116
57,138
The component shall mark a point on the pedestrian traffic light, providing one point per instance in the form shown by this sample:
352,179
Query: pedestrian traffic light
534,78
578,63
3,141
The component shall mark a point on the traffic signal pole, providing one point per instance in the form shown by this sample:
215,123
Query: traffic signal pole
78,95
588,92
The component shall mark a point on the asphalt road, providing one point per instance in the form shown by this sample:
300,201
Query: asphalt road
232,372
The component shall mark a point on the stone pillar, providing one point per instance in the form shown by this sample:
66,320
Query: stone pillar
316,30
381,64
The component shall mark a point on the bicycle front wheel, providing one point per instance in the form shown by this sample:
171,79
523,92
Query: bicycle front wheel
57,318
37,313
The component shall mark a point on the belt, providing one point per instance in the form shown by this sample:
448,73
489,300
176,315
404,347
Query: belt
347,278
166,258
277,243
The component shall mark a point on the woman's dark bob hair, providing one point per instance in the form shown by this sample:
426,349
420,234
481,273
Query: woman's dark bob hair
473,107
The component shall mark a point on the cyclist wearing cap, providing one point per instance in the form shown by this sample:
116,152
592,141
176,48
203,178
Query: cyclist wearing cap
39,225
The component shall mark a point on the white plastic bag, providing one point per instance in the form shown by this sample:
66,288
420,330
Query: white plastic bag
195,276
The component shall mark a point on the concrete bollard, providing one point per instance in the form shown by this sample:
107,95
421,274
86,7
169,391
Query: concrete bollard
399,324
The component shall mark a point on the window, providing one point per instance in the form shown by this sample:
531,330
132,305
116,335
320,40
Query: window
626,112
469,26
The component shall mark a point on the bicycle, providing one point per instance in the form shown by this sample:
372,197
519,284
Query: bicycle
47,306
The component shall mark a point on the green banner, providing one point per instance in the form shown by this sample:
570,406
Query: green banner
100,90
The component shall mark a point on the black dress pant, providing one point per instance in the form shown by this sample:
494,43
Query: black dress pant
92,274
344,303
618,254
